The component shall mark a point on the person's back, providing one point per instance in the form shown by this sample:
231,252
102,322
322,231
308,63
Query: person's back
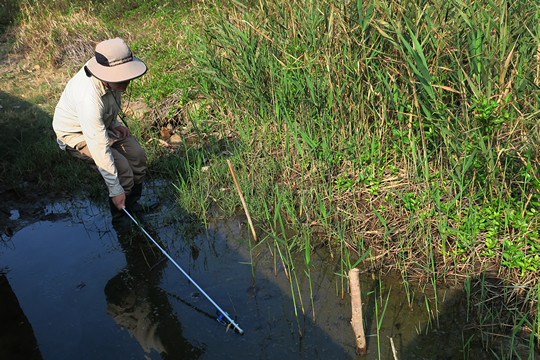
83,95
86,124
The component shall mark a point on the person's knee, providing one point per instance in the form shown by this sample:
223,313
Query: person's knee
141,158
140,155
135,152
125,173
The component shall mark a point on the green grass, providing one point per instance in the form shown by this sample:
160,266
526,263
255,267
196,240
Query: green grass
404,133
465,147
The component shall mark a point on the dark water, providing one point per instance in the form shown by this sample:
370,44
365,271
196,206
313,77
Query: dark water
81,292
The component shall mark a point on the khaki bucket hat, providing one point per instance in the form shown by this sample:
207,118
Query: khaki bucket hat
114,62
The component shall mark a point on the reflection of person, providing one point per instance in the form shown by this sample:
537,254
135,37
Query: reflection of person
137,303
86,124
16,334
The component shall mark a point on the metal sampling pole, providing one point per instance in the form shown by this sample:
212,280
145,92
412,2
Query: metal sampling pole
234,324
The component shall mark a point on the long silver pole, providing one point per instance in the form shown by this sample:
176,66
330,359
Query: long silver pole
240,331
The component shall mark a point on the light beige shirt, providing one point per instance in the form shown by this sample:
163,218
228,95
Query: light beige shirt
87,111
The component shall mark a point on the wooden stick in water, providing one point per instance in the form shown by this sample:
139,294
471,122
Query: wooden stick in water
356,307
393,349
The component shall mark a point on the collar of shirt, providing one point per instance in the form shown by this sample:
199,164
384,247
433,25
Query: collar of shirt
102,90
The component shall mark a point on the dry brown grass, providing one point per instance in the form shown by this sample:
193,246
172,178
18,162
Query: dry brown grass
61,41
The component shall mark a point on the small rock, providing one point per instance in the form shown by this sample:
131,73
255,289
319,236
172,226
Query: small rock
175,139
137,109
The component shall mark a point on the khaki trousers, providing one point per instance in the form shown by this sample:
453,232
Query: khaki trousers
129,159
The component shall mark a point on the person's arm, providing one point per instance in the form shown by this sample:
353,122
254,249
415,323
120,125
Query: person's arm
90,111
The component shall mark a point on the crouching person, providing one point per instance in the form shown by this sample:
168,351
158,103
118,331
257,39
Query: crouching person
87,126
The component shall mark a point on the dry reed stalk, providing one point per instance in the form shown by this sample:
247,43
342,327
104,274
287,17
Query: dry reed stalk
243,201
537,80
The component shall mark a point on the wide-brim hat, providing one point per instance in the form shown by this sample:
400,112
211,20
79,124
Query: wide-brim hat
113,62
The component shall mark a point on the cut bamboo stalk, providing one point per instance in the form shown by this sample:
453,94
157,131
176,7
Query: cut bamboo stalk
356,307
243,202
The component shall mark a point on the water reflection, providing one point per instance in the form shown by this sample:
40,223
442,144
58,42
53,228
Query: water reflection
138,304
101,297
107,297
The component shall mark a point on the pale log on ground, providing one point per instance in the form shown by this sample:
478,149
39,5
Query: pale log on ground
356,307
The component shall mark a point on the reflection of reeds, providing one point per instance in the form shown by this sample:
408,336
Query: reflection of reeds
290,272
406,284
379,316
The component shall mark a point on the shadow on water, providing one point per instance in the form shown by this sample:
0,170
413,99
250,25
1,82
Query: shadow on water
420,324
441,323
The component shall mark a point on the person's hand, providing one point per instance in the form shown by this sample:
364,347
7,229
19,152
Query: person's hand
119,201
121,132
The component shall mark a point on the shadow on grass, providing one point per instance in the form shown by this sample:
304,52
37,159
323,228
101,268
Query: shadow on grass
31,159
8,13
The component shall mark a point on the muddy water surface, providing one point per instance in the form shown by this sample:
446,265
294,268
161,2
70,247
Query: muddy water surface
77,290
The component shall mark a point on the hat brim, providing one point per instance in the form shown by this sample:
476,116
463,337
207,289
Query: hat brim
119,73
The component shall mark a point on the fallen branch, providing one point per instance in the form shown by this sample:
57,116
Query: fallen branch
163,143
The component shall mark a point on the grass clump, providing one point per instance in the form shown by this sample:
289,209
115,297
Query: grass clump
379,99
65,39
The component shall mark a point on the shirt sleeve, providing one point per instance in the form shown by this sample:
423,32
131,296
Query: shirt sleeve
90,113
